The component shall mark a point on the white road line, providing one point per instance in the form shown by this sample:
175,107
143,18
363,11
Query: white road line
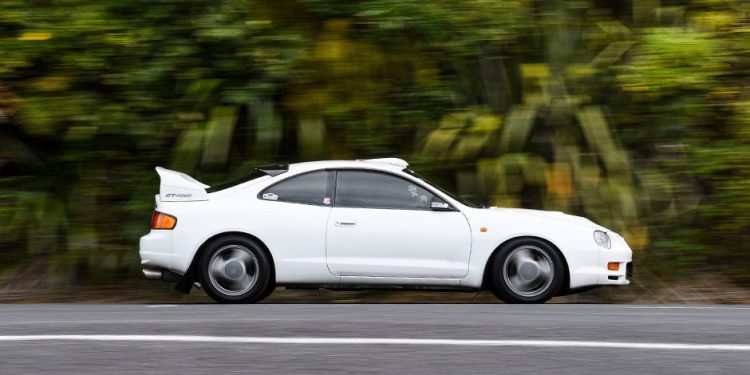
689,307
378,341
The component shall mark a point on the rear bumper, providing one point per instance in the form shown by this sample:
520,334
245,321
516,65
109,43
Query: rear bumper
156,250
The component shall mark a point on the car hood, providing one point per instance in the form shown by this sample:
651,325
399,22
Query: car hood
553,215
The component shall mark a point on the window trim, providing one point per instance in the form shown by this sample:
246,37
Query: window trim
388,173
329,189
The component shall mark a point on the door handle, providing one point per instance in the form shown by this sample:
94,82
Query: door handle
345,223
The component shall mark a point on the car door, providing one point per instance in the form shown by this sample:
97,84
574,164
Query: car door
384,225
290,218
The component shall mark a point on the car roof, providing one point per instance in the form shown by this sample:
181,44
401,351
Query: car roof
386,164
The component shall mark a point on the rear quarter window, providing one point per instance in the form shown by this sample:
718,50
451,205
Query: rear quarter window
308,188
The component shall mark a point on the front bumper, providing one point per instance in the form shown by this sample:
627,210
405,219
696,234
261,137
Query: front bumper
621,254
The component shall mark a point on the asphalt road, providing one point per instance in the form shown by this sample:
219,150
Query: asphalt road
373,339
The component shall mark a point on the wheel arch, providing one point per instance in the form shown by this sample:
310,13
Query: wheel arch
191,275
487,275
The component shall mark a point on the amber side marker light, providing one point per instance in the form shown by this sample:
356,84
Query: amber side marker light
613,266
161,220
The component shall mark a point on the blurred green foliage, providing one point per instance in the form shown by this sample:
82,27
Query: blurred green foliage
633,113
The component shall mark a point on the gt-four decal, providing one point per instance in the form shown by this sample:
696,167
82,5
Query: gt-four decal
174,195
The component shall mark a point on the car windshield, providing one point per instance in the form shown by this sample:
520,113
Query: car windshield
457,197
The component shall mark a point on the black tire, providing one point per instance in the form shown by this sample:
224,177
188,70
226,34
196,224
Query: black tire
544,254
261,285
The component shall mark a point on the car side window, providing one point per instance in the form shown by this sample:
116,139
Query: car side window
308,188
379,190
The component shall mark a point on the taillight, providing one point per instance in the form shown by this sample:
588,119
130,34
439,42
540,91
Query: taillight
160,220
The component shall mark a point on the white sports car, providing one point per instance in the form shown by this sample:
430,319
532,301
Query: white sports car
366,224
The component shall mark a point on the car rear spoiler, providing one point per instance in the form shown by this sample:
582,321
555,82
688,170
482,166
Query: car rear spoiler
179,187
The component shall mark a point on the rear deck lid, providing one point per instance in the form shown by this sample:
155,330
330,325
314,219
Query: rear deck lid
179,187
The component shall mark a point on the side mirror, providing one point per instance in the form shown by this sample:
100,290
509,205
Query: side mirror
439,205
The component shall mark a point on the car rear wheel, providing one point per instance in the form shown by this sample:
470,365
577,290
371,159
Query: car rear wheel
235,269
527,271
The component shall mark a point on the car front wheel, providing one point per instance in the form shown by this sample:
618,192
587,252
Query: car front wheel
235,269
527,271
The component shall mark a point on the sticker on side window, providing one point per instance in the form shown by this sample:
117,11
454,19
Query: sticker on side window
439,205
413,190
326,200
270,196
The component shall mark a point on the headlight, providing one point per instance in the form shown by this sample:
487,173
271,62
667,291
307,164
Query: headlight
602,239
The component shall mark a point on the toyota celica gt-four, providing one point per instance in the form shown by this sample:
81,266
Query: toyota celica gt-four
366,224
